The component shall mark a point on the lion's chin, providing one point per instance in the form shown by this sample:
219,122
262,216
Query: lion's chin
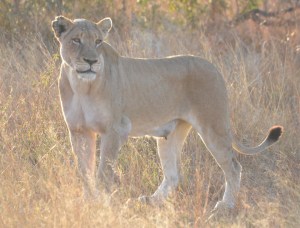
90,76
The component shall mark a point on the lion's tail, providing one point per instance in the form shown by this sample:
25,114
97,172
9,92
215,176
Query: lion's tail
274,134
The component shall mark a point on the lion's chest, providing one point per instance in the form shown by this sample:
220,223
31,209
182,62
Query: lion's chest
85,113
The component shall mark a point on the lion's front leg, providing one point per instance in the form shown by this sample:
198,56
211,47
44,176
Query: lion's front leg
109,149
84,146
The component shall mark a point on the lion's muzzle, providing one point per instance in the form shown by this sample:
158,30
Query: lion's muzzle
88,68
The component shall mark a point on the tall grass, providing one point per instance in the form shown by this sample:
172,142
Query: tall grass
39,182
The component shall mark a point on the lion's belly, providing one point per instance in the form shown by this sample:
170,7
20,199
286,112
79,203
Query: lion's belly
162,130
155,117
154,121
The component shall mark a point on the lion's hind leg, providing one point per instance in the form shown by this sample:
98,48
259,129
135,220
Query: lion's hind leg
169,150
219,143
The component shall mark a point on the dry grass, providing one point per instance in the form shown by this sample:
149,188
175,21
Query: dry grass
39,183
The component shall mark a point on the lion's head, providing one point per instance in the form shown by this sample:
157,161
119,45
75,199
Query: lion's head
80,44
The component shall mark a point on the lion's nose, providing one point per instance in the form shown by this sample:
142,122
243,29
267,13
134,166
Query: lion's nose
90,61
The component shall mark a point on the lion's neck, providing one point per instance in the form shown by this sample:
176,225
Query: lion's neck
110,54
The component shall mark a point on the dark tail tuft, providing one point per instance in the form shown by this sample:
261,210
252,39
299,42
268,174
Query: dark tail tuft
275,133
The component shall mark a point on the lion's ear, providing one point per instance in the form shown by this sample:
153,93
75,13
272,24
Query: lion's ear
105,25
60,25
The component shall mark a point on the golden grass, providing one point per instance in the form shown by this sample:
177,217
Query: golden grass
39,182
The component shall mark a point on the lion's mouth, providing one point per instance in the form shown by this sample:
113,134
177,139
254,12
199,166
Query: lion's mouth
85,71
86,75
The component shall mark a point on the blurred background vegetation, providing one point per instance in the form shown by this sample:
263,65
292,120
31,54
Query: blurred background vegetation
34,16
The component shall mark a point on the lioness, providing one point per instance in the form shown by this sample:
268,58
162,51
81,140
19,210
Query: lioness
104,93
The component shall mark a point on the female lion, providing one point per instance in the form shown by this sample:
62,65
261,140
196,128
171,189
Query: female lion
104,93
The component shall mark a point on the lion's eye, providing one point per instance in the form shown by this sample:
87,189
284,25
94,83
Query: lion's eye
98,42
76,41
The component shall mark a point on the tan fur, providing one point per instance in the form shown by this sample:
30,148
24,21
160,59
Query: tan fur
125,97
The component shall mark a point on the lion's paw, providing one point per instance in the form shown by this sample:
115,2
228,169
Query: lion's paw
223,206
222,210
145,199
151,200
